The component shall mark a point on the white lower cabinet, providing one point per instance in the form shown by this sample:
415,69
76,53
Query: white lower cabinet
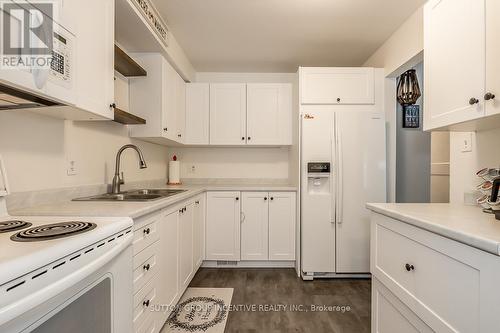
449,286
282,225
168,250
263,230
254,226
198,230
223,226
186,244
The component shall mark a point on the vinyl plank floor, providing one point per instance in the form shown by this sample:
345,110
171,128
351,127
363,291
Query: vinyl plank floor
262,287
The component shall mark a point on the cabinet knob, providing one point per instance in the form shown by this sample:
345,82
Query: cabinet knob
237,198
409,267
146,303
147,231
165,129
473,101
265,198
112,105
338,100
147,267
243,138
197,202
489,96
272,198
179,135
249,138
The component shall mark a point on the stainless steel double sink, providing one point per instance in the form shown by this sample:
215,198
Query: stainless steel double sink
134,195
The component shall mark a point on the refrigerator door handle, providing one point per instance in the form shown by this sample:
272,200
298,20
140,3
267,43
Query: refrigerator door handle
339,179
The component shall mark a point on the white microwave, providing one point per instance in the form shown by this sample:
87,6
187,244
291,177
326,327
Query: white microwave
48,86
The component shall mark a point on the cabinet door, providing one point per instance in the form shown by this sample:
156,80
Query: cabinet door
269,114
169,257
199,231
492,57
180,105
282,226
228,114
254,226
169,112
197,113
337,85
95,55
454,58
186,245
223,226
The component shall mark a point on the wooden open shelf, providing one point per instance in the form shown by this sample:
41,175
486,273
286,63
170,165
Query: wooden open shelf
127,66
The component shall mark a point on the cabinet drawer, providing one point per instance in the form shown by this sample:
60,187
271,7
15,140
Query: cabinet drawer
149,326
145,266
389,315
146,235
439,287
143,301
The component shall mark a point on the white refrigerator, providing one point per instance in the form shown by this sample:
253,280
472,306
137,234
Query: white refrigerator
343,166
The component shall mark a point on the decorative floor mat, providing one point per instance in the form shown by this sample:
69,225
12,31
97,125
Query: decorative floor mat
200,310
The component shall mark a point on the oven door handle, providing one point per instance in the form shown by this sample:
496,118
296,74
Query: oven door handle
15,309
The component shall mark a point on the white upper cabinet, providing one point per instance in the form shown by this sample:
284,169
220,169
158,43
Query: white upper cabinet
223,226
228,107
454,61
254,226
337,85
269,114
95,55
282,225
197,113
160,99
492,57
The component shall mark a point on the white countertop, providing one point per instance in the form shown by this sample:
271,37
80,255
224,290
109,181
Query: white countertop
137,209
465,224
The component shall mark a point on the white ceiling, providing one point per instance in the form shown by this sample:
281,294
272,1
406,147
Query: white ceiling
280,35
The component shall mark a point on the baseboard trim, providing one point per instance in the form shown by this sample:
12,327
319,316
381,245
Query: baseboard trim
248,264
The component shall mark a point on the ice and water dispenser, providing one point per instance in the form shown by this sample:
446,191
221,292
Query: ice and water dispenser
318,177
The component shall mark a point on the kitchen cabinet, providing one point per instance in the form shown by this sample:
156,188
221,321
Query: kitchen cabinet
197,114
223,226
169,254
228,108
492,58
337,85
160,99
198,231
254,226
95,55
423,271
282,224
454,62
180,107
269,114
186,238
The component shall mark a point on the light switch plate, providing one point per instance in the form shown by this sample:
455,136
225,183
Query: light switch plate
467,143
71,169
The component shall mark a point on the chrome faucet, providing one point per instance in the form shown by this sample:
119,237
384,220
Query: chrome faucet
117,180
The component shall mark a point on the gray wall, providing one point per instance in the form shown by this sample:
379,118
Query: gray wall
413,156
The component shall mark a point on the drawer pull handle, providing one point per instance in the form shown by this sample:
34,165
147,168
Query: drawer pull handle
409,267
145,303
147,267
147,231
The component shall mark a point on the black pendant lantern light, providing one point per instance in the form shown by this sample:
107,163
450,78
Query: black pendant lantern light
408,88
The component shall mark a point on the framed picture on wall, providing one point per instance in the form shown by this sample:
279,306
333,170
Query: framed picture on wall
411,116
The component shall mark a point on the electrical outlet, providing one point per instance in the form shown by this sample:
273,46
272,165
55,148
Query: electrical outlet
71,169
192,169
467,143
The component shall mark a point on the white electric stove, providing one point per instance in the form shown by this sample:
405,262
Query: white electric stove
64,274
